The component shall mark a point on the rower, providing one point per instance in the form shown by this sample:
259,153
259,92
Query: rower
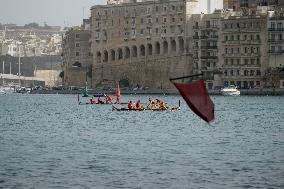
138,105
100,101
130,106
152,104
162,105
108,99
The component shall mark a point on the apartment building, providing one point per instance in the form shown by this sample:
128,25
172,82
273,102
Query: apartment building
76,57
139,44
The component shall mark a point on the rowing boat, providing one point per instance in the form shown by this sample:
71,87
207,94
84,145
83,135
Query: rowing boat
88,103
145,109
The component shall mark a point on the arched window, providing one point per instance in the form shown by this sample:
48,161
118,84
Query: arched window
173,46
127,52
99,57
150,49
112,53
105,56
165,47
120,54
142,50
157,48
181,45
134,51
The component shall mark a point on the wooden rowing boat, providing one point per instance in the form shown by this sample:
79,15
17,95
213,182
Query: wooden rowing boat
145,109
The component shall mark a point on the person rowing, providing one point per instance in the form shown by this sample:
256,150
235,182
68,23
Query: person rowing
152,104
130,106
108,99
100,101
162,104
138,105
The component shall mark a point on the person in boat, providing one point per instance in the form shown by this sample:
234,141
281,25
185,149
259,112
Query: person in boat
162,105
92,100
100,101
138,105
108,99
130,106
152,104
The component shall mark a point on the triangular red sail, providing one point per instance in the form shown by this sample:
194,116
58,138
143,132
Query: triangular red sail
196,96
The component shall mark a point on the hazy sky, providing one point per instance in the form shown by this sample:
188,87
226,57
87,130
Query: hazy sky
54,12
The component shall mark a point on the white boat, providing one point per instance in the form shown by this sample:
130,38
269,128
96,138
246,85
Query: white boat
6,90
230,91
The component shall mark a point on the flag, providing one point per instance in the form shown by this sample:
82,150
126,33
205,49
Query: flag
196,96
117,94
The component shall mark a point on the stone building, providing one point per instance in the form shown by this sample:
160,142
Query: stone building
275,74
251,4
76,57
243,49
139,44
204,46
276,38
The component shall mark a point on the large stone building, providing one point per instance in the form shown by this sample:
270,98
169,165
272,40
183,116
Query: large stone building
76,57
251,4
244,57
204,44
139,44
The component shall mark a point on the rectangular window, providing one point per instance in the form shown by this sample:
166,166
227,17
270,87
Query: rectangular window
77,36
77,44
77,53
165,20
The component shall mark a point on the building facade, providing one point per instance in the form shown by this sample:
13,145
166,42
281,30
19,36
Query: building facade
251,4
204,46
76,57
139,44
244,58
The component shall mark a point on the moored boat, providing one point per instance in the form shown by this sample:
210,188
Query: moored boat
230,91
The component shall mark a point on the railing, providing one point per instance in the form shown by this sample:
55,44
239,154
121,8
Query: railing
276,29
209,47
275,52
275,40
209,57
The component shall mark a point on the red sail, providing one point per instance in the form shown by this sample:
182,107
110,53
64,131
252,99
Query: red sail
197,98
117,94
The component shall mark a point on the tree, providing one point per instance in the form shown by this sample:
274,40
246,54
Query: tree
32,25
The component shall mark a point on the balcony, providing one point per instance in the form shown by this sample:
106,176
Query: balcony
209,47
203,37
276,52
275,29
275,40
208,57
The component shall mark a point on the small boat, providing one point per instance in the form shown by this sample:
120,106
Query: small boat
6,90
230,91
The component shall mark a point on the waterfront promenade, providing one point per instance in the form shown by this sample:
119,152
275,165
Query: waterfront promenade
266,91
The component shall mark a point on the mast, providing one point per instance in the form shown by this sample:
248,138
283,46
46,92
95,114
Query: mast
19,66
10,69
3,67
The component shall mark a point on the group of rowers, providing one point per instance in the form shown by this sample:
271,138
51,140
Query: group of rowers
153,104
108,100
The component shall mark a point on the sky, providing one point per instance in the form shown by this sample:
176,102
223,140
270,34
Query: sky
55,12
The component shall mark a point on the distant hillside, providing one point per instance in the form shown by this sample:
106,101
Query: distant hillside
29,63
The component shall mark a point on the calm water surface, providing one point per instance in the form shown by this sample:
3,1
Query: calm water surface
48,141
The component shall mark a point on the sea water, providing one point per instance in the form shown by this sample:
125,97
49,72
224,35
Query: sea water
49,141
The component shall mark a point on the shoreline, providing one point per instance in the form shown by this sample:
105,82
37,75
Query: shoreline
246,92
